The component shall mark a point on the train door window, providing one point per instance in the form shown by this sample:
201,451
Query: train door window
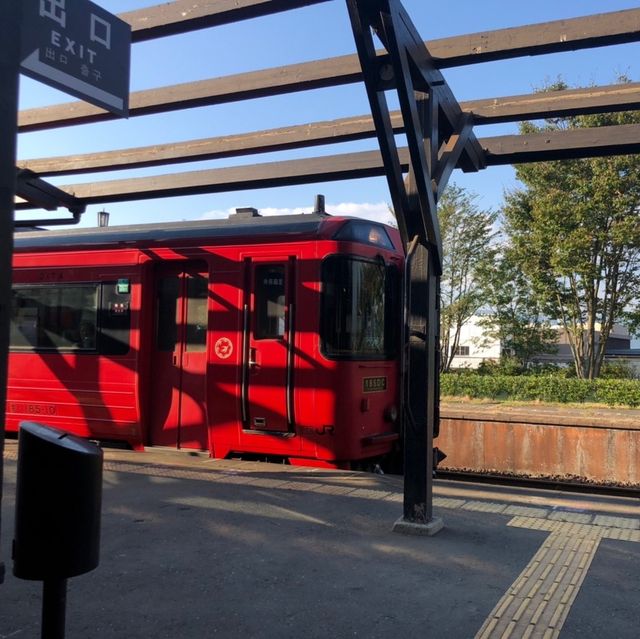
269,301
115,318
197,304
167,304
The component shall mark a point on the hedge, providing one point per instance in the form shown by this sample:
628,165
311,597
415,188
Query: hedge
613,392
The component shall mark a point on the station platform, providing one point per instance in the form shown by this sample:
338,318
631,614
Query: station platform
194,547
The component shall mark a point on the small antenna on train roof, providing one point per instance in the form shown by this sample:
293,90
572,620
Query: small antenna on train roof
247,211
319,205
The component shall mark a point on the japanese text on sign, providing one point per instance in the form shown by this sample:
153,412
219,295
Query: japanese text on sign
79,48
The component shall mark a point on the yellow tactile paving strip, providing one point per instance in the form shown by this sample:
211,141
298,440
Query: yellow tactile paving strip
538,602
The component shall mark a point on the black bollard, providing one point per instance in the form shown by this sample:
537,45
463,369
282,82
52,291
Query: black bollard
58,507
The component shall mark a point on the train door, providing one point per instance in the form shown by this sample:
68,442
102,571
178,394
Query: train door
268,349
179,360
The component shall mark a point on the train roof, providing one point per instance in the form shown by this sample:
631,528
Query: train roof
246,228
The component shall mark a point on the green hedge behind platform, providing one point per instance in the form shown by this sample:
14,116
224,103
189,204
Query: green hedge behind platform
613,392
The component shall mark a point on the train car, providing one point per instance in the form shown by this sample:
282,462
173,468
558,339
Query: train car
252,336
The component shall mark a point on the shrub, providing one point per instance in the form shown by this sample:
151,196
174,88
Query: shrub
624,392
549,368
546,388
617,370
503,366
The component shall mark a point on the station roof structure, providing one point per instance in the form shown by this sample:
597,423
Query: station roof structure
183,16
440,133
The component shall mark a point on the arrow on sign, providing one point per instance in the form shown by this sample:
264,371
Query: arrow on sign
33,63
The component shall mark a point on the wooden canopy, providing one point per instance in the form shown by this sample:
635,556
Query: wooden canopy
187,15
440,134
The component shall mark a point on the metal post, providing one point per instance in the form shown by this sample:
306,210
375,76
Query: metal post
416,504
433,385
421,401
54,606
10,19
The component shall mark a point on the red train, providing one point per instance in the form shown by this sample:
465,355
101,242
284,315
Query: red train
255,336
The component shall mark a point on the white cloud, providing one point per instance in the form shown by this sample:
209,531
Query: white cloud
378,212
274,211
217,214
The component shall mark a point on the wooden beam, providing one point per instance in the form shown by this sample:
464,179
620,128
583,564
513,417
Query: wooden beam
563,35
451,154
182,16
300,136
510,149
616,97
253,176
570,34
554,104
41,194
244,86
601,141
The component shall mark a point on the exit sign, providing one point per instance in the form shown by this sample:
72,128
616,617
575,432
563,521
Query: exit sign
78,47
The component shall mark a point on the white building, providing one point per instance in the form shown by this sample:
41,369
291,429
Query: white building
475,347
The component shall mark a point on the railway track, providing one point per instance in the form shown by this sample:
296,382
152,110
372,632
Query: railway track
558,484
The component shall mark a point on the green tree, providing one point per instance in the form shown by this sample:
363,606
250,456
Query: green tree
514,315
576,231
467,236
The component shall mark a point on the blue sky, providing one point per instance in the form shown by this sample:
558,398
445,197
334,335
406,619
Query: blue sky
311,33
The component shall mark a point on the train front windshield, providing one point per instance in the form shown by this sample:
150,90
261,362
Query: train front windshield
359,308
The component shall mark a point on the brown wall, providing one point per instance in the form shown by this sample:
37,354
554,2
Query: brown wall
539,443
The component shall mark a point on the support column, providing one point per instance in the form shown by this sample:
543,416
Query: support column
421,402
10,19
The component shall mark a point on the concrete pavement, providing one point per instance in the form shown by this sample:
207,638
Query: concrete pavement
193,547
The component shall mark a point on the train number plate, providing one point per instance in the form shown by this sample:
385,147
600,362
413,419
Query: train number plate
23,408
374,384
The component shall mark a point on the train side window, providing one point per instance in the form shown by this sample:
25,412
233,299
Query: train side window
60,317
269,301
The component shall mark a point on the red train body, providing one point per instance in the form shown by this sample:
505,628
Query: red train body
251,336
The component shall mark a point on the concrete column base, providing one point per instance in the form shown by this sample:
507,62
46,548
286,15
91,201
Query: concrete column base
434,525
